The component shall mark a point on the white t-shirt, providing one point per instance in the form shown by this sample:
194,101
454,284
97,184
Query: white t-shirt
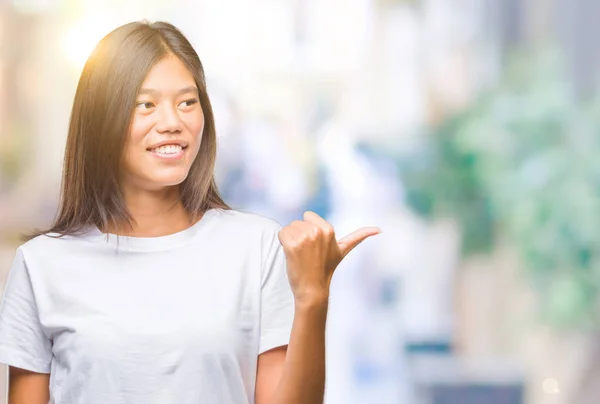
173,319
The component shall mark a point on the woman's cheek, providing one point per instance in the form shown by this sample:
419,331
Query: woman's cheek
140,127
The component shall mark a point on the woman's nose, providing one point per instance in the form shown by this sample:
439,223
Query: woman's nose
169,120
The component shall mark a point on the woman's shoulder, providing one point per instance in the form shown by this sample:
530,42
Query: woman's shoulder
46,242
249,221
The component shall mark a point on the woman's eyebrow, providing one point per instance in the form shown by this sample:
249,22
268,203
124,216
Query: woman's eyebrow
185,90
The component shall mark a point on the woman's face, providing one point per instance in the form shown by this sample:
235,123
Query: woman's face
166,129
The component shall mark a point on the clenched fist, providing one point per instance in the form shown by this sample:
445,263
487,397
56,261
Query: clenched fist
313,253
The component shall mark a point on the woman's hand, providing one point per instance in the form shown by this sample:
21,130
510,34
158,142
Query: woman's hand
313,253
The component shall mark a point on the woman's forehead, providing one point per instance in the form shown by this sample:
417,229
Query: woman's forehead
170,75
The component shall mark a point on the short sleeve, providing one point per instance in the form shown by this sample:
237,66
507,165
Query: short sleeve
23,343
277,300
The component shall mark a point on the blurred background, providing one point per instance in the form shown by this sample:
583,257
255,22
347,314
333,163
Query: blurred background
466,129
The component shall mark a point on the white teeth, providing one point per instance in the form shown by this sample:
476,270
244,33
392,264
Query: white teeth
168,149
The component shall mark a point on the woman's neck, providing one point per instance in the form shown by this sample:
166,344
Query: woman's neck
155,213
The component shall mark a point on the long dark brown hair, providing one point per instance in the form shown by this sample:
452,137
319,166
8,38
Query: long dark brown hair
100,120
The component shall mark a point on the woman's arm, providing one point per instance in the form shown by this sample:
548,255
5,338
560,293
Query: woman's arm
312,255
296,374
268,374
27,387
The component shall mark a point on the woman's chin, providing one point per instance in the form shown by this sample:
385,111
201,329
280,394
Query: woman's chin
166,181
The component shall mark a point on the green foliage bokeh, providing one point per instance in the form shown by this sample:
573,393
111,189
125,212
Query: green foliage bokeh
523,163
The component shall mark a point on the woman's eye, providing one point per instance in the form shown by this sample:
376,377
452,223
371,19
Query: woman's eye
188,103
145,105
